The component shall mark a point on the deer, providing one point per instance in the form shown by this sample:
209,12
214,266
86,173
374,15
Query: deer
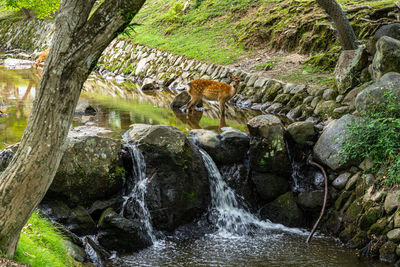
212,90
42,57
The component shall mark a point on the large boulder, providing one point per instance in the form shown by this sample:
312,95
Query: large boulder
284,210
387,57
268,151
269,186
330,143
178,191
349,67
90,168
302,132
391,30
122,235
375,93
228,147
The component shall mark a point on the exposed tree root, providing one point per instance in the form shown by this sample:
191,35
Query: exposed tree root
312,163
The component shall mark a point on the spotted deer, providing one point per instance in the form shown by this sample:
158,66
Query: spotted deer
212,90
42,57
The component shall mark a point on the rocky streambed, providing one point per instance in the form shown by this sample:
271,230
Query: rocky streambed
157,199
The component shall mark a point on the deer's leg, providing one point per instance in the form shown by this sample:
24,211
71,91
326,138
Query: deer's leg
222,107
190,104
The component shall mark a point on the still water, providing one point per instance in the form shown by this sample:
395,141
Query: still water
119,105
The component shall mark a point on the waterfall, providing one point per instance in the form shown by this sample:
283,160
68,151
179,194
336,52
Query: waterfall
135,199
231,217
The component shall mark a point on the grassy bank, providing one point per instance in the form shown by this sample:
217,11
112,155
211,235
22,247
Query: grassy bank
41,244
225,31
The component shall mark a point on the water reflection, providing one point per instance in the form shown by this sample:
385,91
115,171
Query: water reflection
117,106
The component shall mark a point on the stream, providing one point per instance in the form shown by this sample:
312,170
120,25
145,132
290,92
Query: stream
240,239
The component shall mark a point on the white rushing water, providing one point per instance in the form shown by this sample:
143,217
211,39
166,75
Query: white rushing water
232,218
138,191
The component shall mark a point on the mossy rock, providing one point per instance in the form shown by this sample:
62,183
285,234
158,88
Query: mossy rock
381,227
284,210
354,211
359,240
370,217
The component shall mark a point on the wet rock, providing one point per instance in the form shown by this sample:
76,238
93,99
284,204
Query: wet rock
358,241
90,169
381,227
302,132
387,253
83,107
353,212
311,199
75,251
330,143
283,210
228,147
99,206
387,57
348,68
268,152
341,181
237,176
370,217
375,93
392,201
80,222
182,99
178,191
120,234
344,196
269,186
391,30
56,210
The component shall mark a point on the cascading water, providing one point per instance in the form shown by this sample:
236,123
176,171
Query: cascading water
231,217
136,196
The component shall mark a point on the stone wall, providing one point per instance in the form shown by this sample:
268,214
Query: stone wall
28,35
125,58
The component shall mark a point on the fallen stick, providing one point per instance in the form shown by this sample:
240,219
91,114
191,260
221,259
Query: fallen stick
312,163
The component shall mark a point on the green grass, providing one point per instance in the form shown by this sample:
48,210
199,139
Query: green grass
41,244
224,31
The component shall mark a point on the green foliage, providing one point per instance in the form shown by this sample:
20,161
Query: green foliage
377,136
42,245
42,8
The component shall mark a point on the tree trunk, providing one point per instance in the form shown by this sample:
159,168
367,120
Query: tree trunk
26,12
347,38
77,44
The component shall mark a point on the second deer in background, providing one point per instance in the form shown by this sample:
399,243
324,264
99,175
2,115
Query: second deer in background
211,90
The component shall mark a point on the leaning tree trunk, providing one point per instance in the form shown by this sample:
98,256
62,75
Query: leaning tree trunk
77,44
347,38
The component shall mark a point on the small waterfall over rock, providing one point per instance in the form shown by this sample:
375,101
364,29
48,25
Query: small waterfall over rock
134,200
230,216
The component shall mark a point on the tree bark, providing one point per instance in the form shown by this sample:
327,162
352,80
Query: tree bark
26,12
347,37
77,45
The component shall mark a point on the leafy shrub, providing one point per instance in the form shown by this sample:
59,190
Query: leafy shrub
377,136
